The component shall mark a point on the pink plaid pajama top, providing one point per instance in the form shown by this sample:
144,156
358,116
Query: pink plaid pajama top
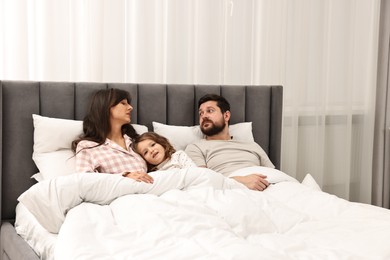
108,157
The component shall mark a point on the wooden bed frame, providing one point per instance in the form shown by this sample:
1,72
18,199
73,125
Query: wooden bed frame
169,104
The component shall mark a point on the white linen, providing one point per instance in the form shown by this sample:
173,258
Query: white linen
286,221
50,200
41,241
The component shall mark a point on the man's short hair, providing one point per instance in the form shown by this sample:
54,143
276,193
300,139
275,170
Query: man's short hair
222,103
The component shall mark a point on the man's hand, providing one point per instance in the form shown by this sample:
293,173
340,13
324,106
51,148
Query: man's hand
253,181
139,176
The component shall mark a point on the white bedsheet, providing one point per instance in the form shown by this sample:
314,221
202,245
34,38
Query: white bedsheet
230,224
286,221
40,240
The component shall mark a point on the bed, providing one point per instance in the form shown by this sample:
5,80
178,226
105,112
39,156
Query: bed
50,212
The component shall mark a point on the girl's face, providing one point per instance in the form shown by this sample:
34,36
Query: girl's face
152,152
121,112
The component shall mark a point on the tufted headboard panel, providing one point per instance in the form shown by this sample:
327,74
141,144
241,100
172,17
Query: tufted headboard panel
169,104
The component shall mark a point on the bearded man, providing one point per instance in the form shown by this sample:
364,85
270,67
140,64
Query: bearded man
219,151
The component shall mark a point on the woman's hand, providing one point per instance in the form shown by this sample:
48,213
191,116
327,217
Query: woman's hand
139,176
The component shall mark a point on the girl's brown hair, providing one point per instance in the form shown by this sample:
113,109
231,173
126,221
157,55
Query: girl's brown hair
169,150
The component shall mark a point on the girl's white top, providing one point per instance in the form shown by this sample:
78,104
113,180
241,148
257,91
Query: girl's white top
179,160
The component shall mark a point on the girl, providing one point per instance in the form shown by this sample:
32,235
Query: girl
105,145
159,153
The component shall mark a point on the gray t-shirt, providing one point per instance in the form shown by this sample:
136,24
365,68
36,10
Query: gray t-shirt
226,156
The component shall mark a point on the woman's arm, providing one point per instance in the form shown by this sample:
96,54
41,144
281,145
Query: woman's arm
138,176
84,162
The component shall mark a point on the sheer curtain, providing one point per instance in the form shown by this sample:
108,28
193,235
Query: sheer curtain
381,162
324,53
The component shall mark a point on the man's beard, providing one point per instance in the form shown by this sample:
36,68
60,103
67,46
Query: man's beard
214,129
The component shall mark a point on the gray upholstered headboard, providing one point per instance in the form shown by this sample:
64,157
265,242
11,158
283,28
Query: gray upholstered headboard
170,104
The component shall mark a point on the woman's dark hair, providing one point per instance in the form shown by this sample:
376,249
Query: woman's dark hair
168,148
96,124
222,103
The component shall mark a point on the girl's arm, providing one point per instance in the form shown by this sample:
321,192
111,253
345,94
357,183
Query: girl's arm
184,160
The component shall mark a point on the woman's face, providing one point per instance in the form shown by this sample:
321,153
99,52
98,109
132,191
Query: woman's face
152,152
120,113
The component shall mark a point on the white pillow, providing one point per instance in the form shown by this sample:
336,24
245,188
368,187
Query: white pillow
52,144
178,136
309,181
181,136
242,131
53,164
140,129
53,134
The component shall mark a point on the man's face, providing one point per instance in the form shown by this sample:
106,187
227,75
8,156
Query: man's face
211,119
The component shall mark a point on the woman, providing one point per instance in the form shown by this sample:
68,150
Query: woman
105,145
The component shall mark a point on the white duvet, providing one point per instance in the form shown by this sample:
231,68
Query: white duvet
198,214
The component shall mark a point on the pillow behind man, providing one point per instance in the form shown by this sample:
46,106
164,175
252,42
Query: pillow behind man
181,136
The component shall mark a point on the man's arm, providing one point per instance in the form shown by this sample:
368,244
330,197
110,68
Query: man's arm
194,152
253,181
264,160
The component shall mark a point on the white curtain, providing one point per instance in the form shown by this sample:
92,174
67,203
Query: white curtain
324,53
